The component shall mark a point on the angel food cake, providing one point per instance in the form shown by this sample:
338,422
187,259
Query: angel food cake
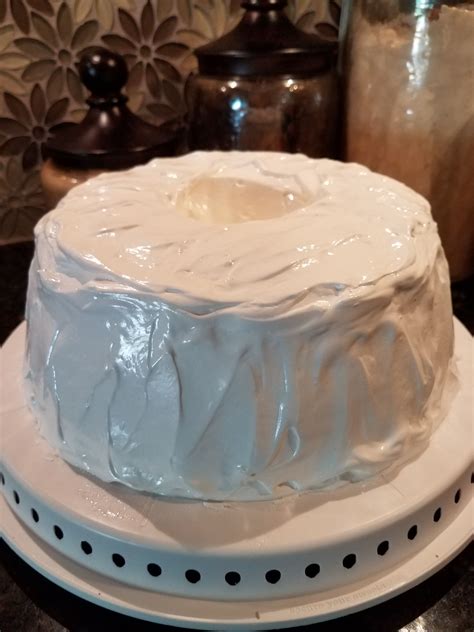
238,325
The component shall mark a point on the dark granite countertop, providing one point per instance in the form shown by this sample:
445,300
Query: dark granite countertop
31,603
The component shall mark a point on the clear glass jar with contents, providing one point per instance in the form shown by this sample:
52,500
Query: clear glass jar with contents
409,67
266,85
294,114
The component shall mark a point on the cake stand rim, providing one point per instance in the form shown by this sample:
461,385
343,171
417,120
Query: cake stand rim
400,579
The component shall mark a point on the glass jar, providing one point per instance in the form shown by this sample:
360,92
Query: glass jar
409,68
267,113
266,85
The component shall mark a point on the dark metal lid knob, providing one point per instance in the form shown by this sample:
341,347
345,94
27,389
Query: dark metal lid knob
110,136
103,73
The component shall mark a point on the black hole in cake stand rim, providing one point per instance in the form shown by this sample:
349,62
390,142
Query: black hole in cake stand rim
312,570
349,561
412,532
232,578
383,547
193,576
273,576
86,547
34,515
154,569
118,560
437,515
58,532
16,497
2,478
457,496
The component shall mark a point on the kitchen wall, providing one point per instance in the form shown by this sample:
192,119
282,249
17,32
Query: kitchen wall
40,42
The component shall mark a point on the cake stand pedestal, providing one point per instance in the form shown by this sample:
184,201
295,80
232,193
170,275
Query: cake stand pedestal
259,565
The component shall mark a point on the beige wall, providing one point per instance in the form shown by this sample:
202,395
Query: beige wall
40,40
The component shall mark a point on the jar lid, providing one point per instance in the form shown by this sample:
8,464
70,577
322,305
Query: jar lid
266,42
110,136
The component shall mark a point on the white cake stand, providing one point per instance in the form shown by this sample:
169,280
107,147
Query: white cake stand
260,565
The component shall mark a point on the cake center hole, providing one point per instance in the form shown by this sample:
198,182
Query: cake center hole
233,200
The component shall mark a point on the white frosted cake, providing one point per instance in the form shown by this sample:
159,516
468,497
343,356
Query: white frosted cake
238,325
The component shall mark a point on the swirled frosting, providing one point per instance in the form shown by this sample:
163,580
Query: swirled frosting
238,324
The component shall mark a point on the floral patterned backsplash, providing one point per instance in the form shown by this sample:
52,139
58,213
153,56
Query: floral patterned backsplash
42,40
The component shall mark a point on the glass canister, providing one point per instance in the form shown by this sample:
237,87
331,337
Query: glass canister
266,85
409,68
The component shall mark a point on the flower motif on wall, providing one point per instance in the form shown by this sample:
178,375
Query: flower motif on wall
208,20
205,21
20,14
56,49
322,17
11,61
103,9
151,57
28,128
21,201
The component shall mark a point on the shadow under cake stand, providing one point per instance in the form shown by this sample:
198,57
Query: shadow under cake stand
257,565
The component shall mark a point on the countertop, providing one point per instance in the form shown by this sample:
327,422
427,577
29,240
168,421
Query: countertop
31,603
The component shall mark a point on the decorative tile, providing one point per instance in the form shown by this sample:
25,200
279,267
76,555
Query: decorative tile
42,40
